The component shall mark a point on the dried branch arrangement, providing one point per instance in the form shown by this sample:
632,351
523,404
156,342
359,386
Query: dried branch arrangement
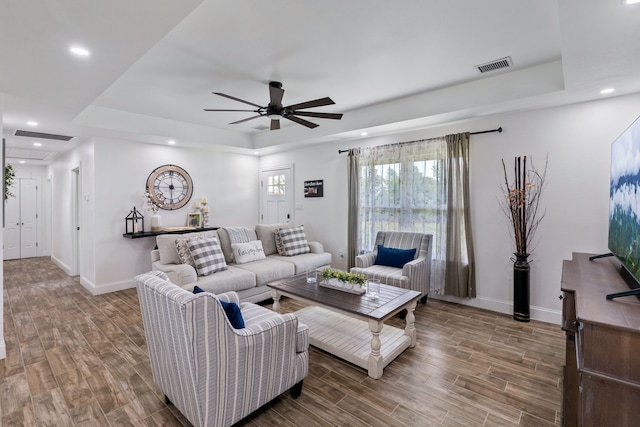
522,199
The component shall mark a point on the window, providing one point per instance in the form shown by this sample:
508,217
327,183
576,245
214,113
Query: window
276,185
399,195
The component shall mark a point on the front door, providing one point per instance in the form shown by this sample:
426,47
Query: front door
277,196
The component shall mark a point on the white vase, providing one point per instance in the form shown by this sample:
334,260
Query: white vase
156,222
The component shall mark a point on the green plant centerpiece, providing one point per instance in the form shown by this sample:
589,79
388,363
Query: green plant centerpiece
343,276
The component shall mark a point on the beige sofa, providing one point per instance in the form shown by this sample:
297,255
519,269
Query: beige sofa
247,280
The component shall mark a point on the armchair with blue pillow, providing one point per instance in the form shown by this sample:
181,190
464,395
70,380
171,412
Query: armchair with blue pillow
399,259
215,358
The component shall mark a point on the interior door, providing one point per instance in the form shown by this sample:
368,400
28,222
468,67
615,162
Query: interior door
277,196
21,232
11,236
28,218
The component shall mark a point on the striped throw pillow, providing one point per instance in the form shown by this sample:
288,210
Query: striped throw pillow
292,241
207,255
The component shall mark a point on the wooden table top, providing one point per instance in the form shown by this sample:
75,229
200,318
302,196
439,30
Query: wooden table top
390,300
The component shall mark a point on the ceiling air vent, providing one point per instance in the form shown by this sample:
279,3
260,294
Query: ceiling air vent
498,64
41,135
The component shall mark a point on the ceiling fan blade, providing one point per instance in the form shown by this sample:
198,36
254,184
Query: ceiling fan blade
303,122
334,116
275,124
246,111
276,93
310,104
245,120
237,99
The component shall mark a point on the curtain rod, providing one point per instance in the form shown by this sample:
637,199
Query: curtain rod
499,130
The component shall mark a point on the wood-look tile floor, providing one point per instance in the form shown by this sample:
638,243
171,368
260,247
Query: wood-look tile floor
74,359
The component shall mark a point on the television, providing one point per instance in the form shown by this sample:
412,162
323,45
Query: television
624,205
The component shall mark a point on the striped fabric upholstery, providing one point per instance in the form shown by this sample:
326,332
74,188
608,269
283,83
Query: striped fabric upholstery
214,374
414,275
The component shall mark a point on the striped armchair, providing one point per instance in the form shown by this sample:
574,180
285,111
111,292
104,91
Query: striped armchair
214,374
414,275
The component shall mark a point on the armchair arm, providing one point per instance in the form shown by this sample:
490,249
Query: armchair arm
412,267
418,272
229,297
180,274
366,260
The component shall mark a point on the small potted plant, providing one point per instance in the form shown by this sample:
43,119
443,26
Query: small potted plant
338,278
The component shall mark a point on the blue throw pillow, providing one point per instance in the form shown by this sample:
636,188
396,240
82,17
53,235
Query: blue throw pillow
231,309
393,257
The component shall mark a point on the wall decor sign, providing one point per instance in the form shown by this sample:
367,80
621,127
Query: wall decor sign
314,188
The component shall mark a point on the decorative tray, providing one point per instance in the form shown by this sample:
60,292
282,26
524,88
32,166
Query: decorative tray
343,286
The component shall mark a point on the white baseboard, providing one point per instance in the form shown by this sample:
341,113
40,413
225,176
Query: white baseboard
64,267
107,287
3,350
536,313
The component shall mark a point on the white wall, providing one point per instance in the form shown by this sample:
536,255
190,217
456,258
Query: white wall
3,347
577,140
59,177
113,183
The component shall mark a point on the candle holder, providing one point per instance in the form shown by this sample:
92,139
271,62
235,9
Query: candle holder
204,211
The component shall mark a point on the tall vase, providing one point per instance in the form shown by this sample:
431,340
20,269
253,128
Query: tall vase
156,222
521,271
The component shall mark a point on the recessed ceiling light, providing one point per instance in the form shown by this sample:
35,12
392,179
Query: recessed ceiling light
22,161
171,142
256,152
363,134
631,1
37,144
608,90
80,51
32,123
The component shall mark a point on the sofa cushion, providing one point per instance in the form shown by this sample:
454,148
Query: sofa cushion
231,309
232,279
394,257
207,255
306,262
247,252
268,270
267,235
292,241
238,234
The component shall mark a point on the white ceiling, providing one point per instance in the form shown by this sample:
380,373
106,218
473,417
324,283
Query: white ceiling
387,65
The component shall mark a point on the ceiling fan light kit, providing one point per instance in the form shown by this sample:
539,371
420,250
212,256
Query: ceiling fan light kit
276,111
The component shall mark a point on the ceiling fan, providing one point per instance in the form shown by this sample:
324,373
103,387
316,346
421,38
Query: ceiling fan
275,111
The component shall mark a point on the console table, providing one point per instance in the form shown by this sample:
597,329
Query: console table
157,233
602,371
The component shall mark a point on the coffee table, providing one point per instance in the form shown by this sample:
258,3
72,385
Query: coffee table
352,326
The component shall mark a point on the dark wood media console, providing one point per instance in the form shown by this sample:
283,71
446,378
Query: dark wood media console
602,371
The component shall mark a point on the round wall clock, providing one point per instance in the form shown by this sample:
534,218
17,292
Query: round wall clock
170,187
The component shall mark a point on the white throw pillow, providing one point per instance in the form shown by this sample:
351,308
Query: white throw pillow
247,252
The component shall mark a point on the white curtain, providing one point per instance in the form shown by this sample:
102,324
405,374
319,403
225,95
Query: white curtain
404,187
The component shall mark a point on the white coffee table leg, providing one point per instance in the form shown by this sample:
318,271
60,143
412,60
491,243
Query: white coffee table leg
375,359
410,329
276,300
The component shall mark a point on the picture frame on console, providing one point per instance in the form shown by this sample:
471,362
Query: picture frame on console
194,220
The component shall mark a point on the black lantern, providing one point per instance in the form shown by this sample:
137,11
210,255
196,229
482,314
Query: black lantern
134,222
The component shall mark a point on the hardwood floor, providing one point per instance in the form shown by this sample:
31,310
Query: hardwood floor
74,359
